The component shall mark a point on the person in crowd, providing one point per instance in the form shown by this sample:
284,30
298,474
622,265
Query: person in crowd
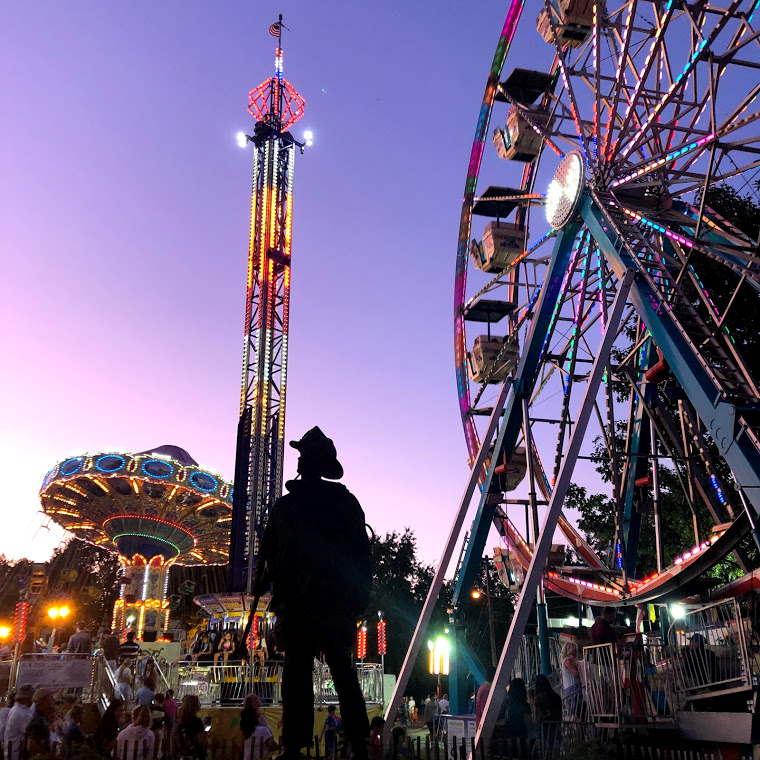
318,598
547,708
158,716
515,721
189,737
572,686
603,631
258,741
38,729
443,702
81,641
136,741
28,645
251,714
124,680
104,737
149,671
376,738
147,691
412,709
18,719
481,697
4,713
330,733
403,712
701,661
73,736
129,648
400,744
170,710
432,711
109,647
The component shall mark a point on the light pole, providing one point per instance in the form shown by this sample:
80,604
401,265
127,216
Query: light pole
382,644
56,614
438,660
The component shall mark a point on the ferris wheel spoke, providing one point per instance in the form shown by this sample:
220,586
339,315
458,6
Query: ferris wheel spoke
683,77
623,57
649,61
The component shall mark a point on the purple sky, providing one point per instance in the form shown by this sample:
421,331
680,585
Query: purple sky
124,225
124,206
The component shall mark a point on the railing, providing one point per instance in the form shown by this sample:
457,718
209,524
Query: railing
229,684
626,684
370,681
642,682
710,654
103,686
528,663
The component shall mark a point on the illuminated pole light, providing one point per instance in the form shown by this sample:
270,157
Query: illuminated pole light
361,642
19,621
276,106
242,139
382,644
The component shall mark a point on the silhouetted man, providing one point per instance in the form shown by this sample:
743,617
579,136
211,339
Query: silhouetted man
315,553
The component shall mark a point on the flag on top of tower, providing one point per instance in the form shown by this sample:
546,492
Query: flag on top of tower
274,30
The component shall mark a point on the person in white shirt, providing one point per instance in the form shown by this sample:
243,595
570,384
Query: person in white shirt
139,732
14,737
4,716
443,703
259,744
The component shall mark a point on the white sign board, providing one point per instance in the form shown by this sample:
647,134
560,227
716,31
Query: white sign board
55,674
459,727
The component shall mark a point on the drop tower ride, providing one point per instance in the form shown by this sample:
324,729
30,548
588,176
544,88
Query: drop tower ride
276,106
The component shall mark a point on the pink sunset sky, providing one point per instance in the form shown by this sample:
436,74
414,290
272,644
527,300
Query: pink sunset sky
124,223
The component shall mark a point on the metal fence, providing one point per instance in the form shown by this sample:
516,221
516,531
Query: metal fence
229,684
629,683
370,681
709,653
528,662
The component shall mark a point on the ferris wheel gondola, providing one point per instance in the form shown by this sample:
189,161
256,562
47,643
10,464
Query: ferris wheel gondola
605,154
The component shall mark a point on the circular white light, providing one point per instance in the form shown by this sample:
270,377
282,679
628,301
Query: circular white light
242,140
677,611
308,135
564,190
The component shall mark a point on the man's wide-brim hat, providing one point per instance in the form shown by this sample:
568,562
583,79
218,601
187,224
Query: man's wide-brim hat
318,449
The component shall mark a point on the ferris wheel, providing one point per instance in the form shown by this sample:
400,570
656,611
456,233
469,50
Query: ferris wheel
599,295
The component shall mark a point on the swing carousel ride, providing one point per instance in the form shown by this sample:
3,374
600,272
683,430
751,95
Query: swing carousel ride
154,509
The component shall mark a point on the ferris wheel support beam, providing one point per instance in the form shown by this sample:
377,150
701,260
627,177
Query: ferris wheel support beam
543,543
511,426
636,466
708,399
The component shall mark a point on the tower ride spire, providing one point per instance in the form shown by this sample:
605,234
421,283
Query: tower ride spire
276,106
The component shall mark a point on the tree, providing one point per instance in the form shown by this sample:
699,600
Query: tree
400,586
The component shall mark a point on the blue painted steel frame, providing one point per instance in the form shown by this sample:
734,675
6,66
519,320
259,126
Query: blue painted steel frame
639,442
509,431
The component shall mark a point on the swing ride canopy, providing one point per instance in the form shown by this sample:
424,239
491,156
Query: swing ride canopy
157,504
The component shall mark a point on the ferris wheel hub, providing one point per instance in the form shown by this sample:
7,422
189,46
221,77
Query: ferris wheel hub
565,190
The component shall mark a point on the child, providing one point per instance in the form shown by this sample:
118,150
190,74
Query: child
330,733
376,738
